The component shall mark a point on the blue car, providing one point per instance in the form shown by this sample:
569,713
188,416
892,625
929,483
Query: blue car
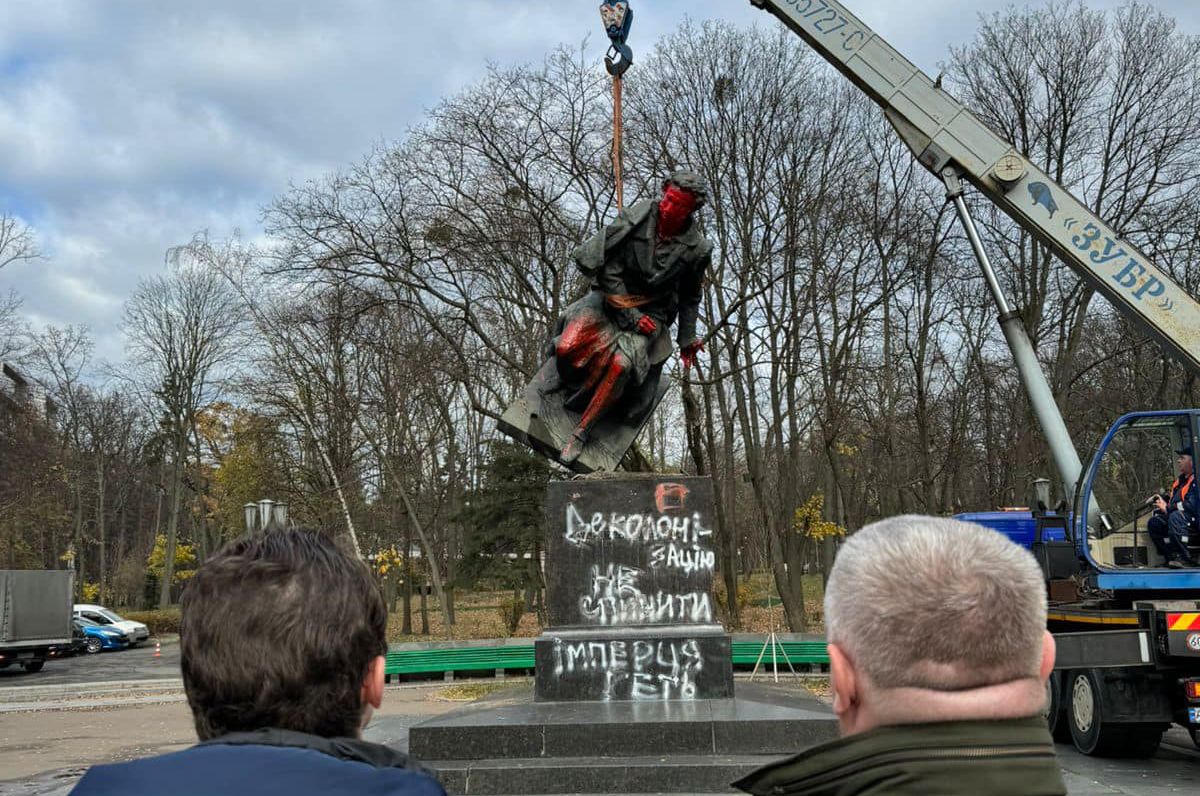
100,637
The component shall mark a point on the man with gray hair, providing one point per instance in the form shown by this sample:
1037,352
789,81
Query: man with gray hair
939,657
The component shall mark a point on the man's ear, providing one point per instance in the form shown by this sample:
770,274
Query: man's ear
844,679
1049,651
372,688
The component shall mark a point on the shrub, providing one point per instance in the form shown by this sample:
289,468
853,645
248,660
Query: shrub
511,610
160,622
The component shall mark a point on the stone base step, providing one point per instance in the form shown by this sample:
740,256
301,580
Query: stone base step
631,775
763,720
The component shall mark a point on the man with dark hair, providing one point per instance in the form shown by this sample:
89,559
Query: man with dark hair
283,640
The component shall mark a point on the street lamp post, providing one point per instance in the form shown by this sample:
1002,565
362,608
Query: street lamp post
264,515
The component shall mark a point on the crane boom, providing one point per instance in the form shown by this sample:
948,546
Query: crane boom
943,135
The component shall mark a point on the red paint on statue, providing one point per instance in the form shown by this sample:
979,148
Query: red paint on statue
673,211
606,393
581,341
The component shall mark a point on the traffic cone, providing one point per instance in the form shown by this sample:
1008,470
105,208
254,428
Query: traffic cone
157,649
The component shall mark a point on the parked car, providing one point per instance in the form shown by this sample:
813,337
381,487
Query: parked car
78,643
136,631
100,637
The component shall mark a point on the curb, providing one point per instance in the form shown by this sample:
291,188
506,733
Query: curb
28,693
90,704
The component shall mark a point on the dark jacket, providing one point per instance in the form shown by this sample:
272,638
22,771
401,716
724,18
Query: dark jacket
1007,758
267,762
627,260
1185,497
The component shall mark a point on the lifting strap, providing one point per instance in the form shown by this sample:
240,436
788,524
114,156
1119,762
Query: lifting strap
618,124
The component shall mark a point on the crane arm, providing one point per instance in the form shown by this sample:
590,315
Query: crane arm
944,135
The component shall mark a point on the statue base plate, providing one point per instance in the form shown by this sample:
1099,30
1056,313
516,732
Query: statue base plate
551,429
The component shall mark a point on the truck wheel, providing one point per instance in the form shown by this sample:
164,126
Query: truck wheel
34,666
1090,732
1056,716
94,645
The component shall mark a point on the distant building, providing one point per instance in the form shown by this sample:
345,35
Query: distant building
19,391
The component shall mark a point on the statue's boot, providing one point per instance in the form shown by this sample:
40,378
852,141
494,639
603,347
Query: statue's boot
574,447
606,394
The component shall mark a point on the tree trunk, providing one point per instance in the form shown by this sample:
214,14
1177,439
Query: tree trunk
101,529
164,595
78,542
727,547
430,555
425,610
406,620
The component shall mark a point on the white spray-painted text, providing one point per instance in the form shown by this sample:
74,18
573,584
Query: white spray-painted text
640,670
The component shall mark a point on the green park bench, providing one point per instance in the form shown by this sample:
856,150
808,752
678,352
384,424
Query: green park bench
458,659
800,653
402,661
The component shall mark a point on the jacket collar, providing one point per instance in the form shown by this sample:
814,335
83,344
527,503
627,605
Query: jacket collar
350,749
823,769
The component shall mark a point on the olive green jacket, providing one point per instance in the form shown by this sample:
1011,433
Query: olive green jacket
1014,757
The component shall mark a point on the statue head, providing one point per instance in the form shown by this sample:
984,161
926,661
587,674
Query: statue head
684,192
689,181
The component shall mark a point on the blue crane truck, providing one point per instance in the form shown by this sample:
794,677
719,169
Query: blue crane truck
1126,625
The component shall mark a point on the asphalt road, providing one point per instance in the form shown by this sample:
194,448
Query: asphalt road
137,663
1175,769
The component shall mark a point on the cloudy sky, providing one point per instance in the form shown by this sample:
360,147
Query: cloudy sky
126,126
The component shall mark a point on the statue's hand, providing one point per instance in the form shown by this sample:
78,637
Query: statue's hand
689,353
646,325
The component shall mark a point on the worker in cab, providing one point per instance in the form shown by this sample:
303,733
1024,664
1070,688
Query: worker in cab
1174,518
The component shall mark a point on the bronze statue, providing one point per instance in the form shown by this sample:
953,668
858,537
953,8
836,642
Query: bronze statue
605,359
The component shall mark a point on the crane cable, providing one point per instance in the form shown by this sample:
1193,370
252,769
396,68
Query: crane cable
618,125
618,19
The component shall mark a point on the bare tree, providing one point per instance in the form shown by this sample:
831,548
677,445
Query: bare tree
13,336
182,329
62,355
16,241
1109,106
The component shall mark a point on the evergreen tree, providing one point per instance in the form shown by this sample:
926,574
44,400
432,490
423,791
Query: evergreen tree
504,520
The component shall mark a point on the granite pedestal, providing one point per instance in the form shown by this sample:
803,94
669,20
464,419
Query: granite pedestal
633,690
629,574
509,743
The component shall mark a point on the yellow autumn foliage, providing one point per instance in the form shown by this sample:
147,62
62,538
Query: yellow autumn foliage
809,522
388,560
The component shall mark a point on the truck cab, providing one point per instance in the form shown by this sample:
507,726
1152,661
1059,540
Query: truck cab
1135,461
1126,625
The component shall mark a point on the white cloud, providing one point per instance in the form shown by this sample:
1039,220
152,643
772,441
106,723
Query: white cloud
126,127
